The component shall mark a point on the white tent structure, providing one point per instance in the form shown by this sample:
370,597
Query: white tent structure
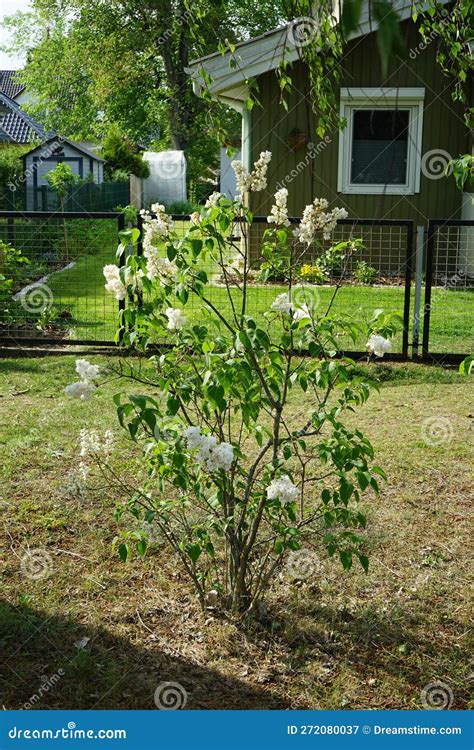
167,181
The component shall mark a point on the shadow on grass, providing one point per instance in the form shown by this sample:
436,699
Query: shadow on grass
393,643
89,668
18,365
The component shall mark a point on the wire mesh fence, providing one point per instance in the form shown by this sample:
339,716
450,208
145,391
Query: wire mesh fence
89,197
55,290
376,275
448,320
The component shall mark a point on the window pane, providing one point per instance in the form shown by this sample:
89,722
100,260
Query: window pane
379,147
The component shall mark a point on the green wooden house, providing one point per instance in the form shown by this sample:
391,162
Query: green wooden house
402,129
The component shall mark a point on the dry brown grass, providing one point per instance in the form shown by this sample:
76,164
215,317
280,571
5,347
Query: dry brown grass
338,640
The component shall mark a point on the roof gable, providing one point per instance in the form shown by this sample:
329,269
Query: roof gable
61,141
230,72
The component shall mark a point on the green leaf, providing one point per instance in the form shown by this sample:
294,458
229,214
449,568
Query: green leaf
123,551
172,406
364,561
194,551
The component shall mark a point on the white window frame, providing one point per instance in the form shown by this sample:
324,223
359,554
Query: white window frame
382,98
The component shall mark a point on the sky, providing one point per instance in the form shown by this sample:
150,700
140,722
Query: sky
7,7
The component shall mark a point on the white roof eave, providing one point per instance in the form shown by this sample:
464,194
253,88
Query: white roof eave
229,72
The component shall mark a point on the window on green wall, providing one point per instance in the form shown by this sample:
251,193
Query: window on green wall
380,148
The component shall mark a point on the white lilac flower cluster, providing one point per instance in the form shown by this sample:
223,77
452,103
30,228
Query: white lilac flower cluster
93,444
279,211
378,345
215,455
213,200
157,229
283,304
84,387
176,319
316,218
282,489
257,179
114,284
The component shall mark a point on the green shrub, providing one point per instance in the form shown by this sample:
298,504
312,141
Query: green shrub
181,208
365,274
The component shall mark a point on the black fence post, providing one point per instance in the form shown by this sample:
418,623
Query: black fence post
121,262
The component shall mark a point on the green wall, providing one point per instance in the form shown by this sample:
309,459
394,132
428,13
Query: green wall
443,128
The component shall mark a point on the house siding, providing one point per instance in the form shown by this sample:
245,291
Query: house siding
443,129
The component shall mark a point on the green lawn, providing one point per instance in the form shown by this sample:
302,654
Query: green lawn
94,312
113,631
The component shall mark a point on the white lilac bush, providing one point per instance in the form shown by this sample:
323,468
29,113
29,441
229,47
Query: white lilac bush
247,452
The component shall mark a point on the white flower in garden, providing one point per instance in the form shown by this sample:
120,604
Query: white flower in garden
159,267
279,211
282,303
213,200
91,442
282,489
222,456
176,319
379,345
195,217
217,456
208,442
256,180
84,388
301,312
316,218
86,371
114,283
80,390
193,437
156,230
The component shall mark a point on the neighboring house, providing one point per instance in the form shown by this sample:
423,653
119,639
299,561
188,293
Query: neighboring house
401,131
47,155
